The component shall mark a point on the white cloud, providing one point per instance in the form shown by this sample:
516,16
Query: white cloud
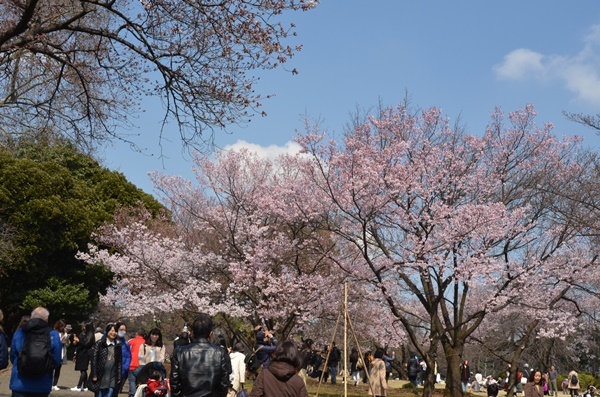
580,73
267,152
519,64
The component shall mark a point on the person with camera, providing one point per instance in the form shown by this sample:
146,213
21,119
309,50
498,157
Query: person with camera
266,343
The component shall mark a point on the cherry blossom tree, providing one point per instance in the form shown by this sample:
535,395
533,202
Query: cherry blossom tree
81,67
460,223
240,246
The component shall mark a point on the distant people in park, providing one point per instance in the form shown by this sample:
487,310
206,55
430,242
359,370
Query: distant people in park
213,380
324,367
377,375
306,355
22,382
422,369
354,370
413,370
492,387
334,360
106,364
535,384
83,355
134,367
388,360
552,379
526,373
367,358
280,378
3,344
153,350
573,386
565,386
478,379
475,386
465,375
60,326
125,353
238,368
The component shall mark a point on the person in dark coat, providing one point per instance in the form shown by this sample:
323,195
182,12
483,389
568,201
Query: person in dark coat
413,370
3,345
106,368
465,375
280,378
200,369
82,356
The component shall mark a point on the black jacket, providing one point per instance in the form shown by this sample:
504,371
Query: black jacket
200,369
98,361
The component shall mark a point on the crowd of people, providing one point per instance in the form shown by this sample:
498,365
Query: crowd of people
528,382
203,364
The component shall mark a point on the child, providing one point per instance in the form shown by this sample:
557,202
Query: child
155,385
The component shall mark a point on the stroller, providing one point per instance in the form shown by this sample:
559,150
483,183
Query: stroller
142,377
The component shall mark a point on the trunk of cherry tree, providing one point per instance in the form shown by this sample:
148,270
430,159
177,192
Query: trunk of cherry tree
453,358
429,378
514,362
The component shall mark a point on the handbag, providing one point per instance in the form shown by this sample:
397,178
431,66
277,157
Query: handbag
93,386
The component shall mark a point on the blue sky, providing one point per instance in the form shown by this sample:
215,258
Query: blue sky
465,57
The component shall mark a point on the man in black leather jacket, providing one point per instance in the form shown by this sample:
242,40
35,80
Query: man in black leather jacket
200,368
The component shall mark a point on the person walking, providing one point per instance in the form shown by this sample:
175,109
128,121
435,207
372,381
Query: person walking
23,385
125,353
334,360
106,368
61,327
413,370
354,370
153,350
553,376
83,354
377,376
134,366
213,378
573,383
238,367
280,378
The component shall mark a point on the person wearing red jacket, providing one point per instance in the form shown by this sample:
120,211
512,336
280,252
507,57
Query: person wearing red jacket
134,366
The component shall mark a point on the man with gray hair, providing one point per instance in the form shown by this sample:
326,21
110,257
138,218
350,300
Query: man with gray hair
34,352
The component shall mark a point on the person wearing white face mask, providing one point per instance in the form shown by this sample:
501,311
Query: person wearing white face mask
126,353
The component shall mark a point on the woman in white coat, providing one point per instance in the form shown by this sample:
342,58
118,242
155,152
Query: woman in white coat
238,366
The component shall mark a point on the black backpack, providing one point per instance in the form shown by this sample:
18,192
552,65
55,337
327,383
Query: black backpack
35,358
252,362
574,379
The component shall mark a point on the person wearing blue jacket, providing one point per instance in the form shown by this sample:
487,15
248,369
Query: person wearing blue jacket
125,353
23,386
3,345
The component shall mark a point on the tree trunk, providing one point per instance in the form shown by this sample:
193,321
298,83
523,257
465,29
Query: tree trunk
453,382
